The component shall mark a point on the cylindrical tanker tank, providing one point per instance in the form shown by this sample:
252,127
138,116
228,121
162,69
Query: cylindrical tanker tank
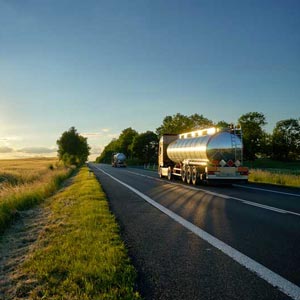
118,160
119,157
219,146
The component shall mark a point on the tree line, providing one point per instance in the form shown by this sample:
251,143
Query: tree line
282,144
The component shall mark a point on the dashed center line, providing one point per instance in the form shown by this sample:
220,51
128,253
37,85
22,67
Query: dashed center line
267,207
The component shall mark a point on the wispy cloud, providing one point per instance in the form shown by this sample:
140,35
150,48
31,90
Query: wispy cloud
5,149
96,150
101,133
10,153
92,134
10,138
37,150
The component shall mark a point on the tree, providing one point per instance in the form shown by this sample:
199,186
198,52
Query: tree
180,123
125,141
200,122
108,151
145,146
73,148
253,133
266,145
286,139
223,124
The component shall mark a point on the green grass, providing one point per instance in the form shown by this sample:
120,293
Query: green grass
285,173
25,183
80,254
262,176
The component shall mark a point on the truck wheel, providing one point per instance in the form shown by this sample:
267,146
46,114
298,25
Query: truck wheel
195,176
183,174
160,172
189,175
169,173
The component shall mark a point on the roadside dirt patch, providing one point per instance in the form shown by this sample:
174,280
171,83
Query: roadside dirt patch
15,244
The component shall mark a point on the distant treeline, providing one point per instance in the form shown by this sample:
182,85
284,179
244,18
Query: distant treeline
282,144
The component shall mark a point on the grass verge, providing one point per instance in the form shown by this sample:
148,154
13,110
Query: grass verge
277,178
80,254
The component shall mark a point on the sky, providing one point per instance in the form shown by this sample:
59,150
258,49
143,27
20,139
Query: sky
103,66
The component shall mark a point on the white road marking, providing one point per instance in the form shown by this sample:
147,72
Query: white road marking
271,277
266,190
271,208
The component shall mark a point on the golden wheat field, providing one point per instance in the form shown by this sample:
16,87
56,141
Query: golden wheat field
26,182
17,175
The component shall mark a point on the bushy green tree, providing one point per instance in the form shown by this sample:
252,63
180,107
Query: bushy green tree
179,123
266,149
145,146
286,139
108,151
125,141
252,125
73,148
223,124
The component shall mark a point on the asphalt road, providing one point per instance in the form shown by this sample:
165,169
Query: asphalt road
186,242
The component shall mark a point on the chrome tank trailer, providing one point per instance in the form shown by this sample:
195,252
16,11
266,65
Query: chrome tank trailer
118,160
119,157
221,146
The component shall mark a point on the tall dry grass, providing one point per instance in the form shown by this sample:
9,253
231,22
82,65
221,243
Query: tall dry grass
277,178
24,183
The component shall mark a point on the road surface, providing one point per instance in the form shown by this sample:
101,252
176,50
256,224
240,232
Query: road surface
202,242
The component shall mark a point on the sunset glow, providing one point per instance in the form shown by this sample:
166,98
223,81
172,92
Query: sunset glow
111,65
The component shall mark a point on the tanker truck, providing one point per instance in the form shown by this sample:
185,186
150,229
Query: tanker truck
211,155
118,160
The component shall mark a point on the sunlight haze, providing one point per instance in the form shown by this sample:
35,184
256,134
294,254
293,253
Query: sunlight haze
103,66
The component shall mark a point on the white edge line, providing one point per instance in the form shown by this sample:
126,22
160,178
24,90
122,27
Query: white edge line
263,206
266,190
271,277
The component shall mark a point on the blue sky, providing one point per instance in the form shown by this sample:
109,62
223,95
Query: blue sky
103,66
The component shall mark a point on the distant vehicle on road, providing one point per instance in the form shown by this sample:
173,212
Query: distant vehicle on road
211,155
118,160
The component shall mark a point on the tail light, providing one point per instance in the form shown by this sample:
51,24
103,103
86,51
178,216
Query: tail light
211,170
243,171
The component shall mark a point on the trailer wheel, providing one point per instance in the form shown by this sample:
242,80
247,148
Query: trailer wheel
183,174
169,173
195,176
189,175
160,173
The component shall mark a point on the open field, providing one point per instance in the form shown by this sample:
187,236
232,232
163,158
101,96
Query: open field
275,172
276,177
78,253
26,182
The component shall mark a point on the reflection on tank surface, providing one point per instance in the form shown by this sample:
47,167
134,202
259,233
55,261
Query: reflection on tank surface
222,145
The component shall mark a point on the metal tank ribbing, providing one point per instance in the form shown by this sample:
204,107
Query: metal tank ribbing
220,146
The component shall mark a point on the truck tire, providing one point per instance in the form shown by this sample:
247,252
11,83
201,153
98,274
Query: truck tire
195,176
188,174
183,174
170,173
